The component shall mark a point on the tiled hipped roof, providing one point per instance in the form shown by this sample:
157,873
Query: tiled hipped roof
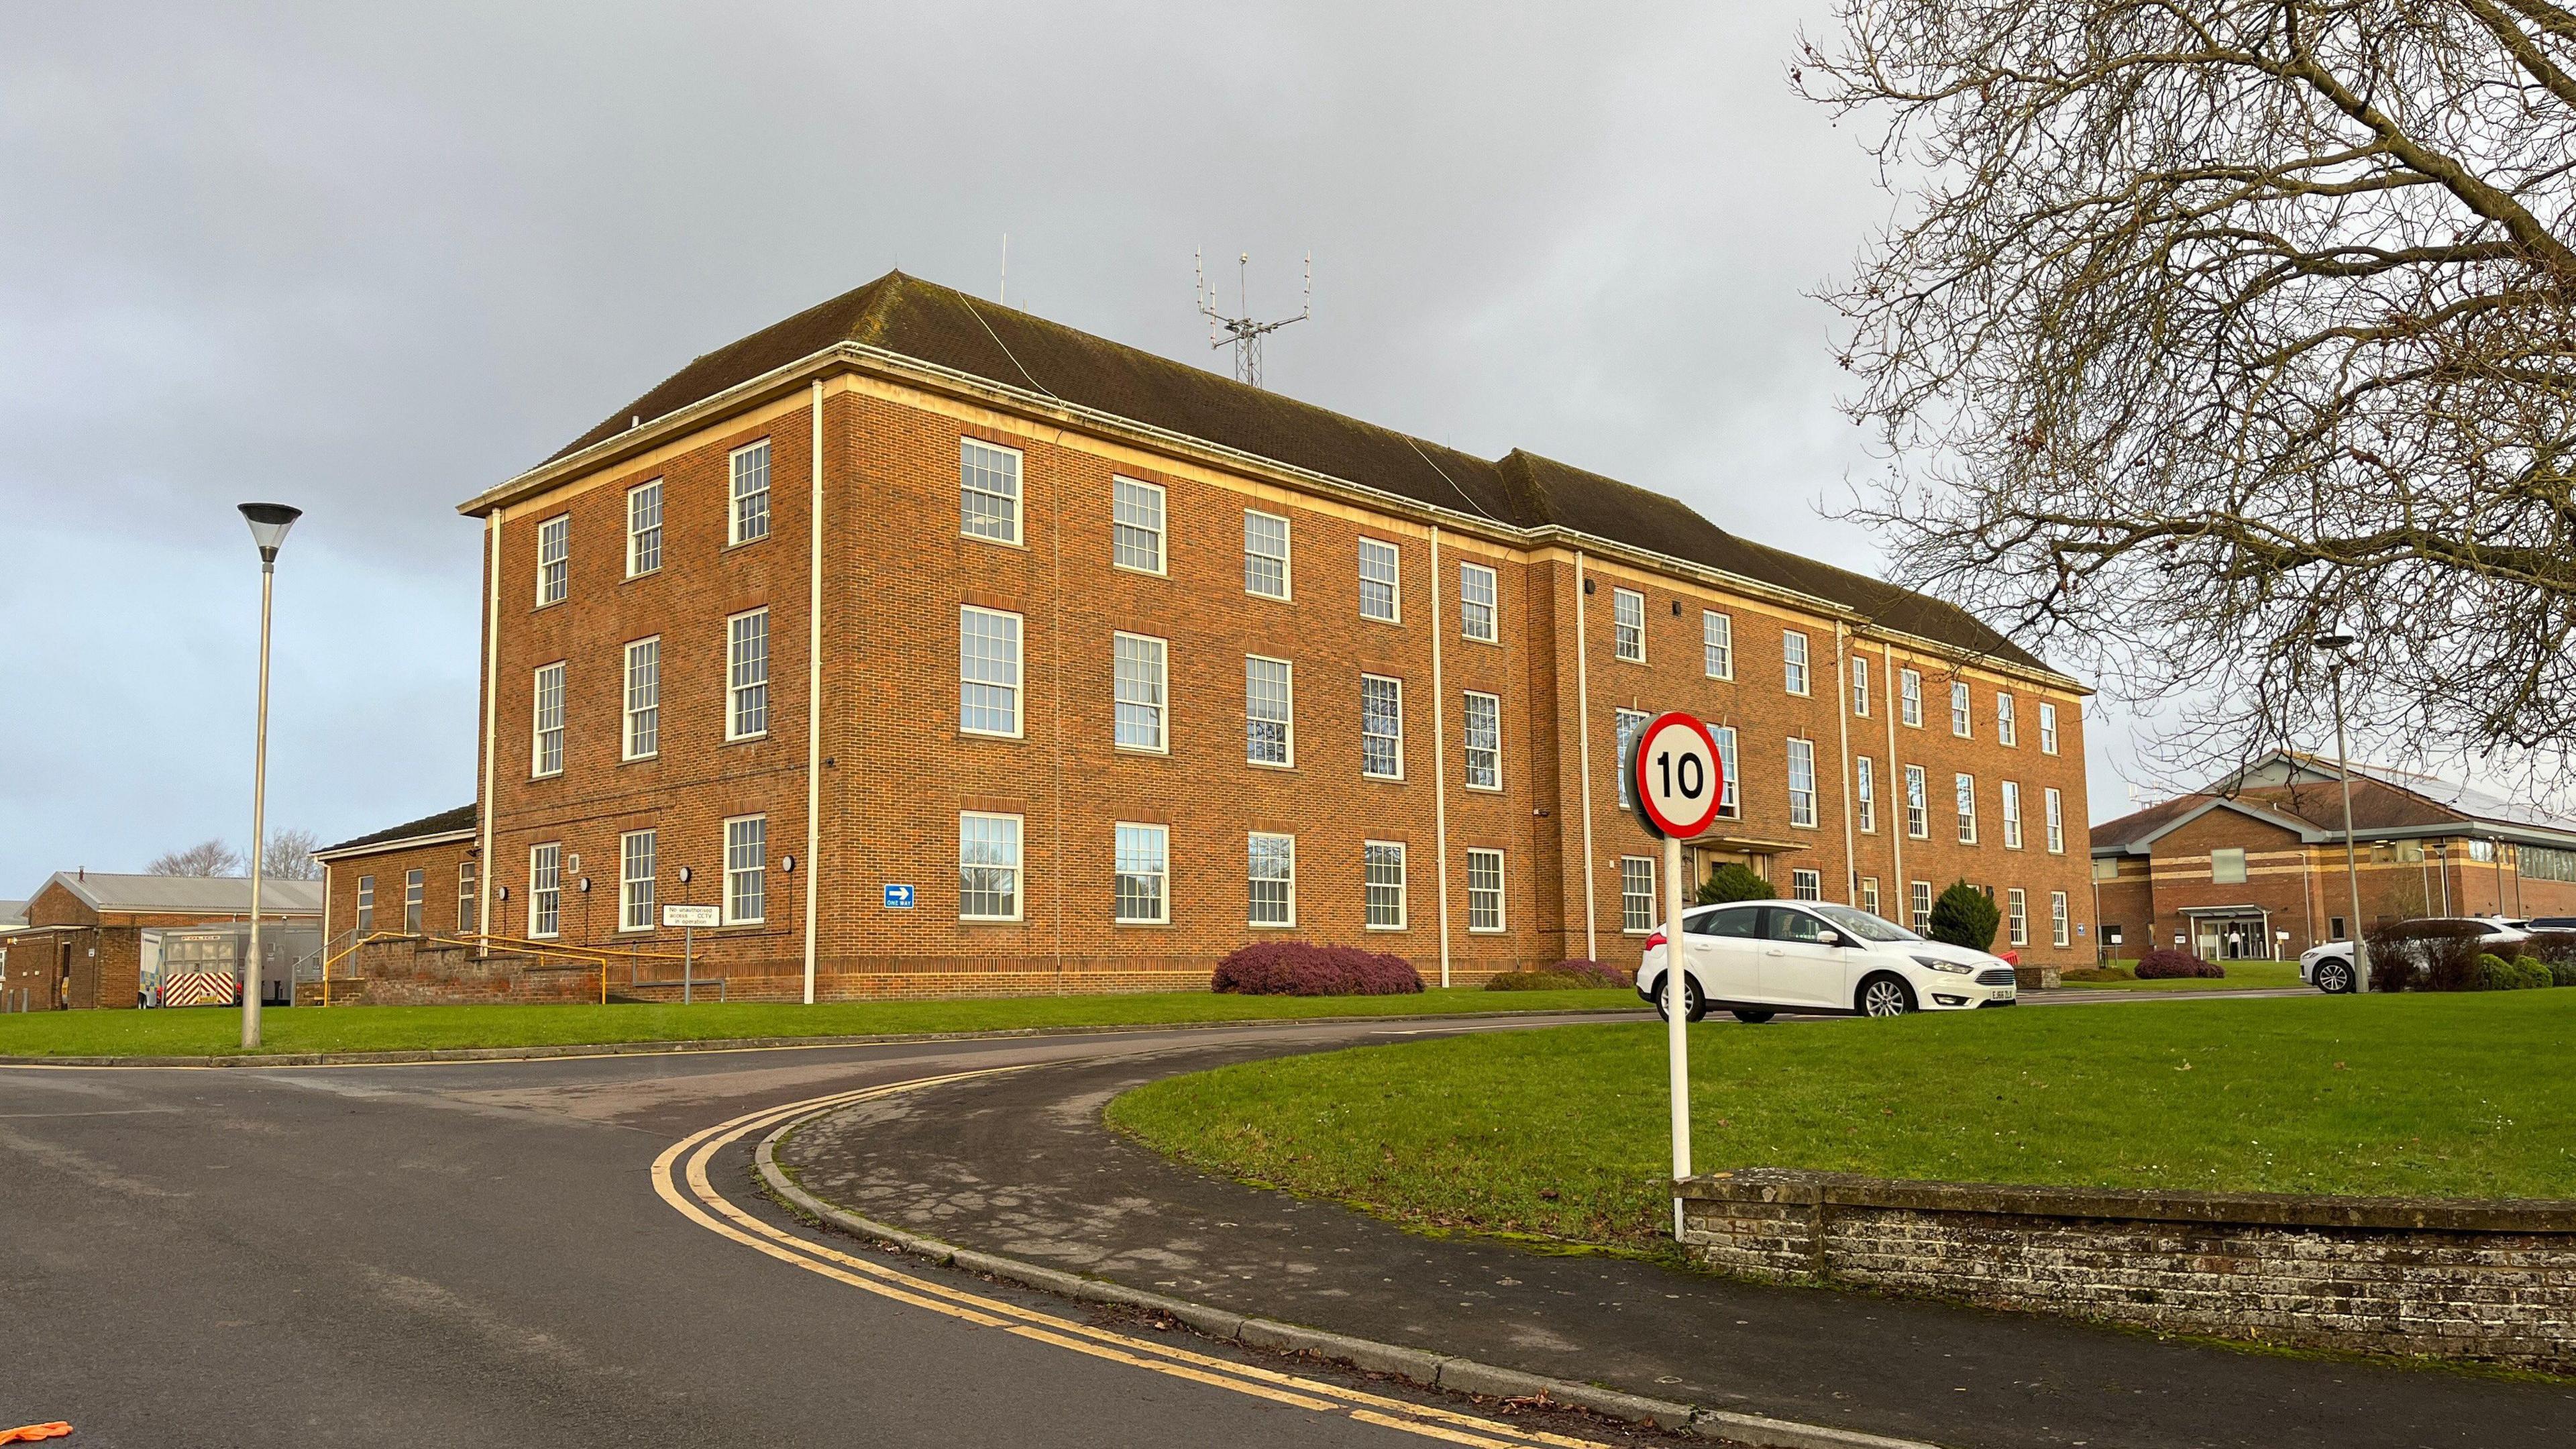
2378,808
948,329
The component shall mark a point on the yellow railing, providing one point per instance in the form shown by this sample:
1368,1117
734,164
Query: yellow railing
483,940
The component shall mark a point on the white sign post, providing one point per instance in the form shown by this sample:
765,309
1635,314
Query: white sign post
688,919
1676,779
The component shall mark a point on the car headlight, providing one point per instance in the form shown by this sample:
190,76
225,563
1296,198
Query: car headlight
1953,967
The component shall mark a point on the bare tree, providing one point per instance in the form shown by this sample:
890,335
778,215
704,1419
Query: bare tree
289,856
206,857
2206,325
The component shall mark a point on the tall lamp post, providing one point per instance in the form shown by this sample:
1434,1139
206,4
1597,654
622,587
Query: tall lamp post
2338,649
268,525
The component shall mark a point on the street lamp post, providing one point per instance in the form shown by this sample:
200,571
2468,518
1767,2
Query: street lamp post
2339,648
268,525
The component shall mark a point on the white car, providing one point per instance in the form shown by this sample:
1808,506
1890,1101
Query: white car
1759,958
2328,967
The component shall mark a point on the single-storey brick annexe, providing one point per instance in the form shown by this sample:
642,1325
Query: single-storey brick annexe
1100,665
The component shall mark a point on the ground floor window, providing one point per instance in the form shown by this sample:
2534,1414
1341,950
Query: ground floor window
1144,869
366,904
2016,917
988,867
746,870
1922,904
2057,918
1869,894
1806,885
415,899
545,890
465,887
1273,873
1636,894
1383,863
635,881
1484,890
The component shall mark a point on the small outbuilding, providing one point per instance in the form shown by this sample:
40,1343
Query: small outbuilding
91,939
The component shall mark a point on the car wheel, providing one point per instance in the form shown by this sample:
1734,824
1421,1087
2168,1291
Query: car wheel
1885,996
1752,1018
2334,978
1693,1006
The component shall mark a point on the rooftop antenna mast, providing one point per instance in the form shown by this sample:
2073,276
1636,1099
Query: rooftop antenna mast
1243,330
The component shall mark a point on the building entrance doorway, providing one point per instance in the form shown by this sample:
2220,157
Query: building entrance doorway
2241,937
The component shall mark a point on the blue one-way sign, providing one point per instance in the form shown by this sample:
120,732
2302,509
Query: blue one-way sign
898,897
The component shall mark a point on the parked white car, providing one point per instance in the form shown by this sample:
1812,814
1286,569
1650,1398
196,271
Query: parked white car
2328,967
1759,958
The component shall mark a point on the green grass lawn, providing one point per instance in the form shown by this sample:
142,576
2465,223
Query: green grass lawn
1562,1133
200,1031
2241,976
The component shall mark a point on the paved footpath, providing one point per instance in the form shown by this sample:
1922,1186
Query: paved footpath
1021,1164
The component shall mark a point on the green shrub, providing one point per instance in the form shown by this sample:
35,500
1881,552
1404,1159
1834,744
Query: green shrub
2534,972
1965,916
1731,882
2098,973
2498,974
2562,973
1576,975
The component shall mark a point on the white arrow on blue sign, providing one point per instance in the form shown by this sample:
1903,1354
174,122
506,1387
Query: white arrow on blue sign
898,897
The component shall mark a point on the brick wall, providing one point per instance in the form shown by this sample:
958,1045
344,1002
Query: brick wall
897,770
389,870
409,973
2492,1282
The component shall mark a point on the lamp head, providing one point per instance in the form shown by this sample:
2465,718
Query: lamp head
2336,643
268,525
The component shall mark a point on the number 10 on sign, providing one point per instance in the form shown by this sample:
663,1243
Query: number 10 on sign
1677,779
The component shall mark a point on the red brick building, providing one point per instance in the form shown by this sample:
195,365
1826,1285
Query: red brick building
419,878
86,934
2253,866
1099,665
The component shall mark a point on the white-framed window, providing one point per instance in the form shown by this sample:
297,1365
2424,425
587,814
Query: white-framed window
1381,727
2056,807
554,559
1140,678
1806,885
2016,917
1869,894
988,491
1728,801
1636,894
545,891
643,732
1918,807
1909,697
415,900
1144,864
988,867
1966,786
1482,720
1793,658
1380,588
2012,814
1802,782
750,518
546,754
1265,554
1626,725
468,885
1269,711
366,904
747,675
2484,852
1628,625
1865,792
1136,525
1962,719
988,672
1477,595
1860,685
746,878
2047,728
635,852
1484,890
1382,884
1717,644
1270,874
2227,867
1921,905
2060,930
643,528
2007,727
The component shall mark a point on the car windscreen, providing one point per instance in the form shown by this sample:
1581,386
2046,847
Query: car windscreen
1864,925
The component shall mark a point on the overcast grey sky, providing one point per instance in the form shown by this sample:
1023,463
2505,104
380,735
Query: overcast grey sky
371,259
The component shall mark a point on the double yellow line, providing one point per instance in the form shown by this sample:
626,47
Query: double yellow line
680,1176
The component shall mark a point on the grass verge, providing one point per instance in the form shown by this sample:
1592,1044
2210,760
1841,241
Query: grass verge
1562,1134
207,1031
2241,976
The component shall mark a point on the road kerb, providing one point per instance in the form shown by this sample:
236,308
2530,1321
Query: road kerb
1456,1374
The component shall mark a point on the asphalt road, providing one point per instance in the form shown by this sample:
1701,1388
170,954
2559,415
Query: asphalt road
484,1253
476,1253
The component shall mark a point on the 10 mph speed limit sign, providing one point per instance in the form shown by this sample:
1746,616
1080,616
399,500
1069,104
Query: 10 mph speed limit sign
1675,776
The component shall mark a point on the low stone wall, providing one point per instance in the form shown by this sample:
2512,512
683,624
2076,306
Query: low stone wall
2488,1281
416,973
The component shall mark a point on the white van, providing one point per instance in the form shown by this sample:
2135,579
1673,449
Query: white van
1759,958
